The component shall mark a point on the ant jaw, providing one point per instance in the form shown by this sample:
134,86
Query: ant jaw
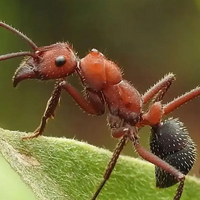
24,72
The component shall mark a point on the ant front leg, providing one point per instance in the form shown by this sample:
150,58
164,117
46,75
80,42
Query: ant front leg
49,111
93,103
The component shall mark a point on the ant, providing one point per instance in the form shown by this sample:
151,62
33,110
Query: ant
172,150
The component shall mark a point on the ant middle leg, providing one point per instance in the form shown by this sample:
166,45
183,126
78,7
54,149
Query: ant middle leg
115,124
120,145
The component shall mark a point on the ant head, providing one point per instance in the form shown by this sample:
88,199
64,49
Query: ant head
97,71
49,62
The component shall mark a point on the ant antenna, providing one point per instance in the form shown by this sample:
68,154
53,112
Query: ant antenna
15,31
18,54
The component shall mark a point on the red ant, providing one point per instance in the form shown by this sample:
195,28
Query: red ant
104,86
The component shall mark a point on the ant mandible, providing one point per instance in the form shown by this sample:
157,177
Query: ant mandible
104,86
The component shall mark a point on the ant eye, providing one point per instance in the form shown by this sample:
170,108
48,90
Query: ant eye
60,61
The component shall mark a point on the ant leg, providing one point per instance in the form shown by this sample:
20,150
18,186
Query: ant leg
162,85
49,111
146,155
94,106
94,102
157,110
169,107
116,125
160,95
111,164
179,190
153,116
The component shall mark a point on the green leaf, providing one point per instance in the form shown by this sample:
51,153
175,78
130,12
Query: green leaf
66,169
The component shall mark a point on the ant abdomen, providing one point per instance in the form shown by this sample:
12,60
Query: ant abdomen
171,142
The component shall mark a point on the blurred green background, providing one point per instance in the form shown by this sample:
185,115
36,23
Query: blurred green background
146,38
